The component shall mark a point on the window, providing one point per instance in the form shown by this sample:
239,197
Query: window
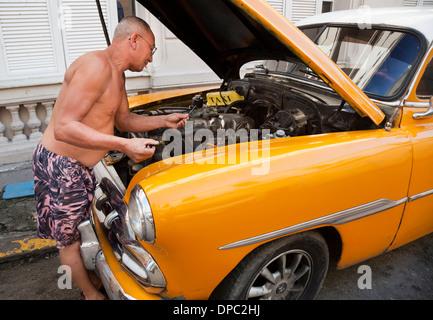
327,6
297,10
379,61
28,43
39,39
84,33
125,8
301,9
425,85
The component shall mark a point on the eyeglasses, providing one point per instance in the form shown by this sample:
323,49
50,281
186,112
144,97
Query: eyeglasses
154,48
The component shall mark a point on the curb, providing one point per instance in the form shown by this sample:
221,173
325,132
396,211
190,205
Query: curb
18,245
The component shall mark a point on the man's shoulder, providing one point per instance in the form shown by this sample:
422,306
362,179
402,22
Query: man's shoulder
90,66
94,60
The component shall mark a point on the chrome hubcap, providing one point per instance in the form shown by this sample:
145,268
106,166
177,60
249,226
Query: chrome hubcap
285,277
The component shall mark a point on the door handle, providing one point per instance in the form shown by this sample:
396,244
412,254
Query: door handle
427,114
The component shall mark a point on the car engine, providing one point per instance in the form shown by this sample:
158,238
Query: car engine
252,108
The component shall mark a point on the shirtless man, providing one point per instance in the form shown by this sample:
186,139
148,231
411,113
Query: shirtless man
92,100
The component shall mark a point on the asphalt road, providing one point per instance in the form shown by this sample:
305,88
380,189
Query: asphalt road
403,274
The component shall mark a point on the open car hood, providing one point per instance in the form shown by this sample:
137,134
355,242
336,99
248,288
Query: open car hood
228,33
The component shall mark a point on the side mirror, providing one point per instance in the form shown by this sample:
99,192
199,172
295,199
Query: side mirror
427,114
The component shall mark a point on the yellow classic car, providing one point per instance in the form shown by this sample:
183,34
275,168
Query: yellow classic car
315,152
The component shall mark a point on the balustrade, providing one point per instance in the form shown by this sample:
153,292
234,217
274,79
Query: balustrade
21,129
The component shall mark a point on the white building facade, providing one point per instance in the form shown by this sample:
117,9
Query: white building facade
39,39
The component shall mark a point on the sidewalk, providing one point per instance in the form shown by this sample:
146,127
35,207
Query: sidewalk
17,222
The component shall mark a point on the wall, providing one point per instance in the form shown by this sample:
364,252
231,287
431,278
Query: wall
28,88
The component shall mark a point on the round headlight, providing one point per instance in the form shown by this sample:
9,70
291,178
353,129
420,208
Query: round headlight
140,215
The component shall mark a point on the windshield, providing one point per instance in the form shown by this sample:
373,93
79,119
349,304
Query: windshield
377,60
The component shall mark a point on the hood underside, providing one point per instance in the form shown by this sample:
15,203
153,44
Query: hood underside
228,33
219,32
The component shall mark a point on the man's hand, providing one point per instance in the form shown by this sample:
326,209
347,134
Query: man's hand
176,120
138,149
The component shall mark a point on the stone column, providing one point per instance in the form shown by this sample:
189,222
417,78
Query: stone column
16,125
33,123
3,138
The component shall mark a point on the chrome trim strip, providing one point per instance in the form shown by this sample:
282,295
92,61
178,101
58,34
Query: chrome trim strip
338,218
101,170
395,103
420,195
416,104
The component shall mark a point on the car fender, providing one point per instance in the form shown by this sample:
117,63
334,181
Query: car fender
199,208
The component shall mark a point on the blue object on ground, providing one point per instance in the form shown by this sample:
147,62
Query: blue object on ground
19,189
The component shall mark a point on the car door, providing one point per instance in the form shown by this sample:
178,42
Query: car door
417,220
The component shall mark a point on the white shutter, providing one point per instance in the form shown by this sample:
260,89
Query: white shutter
301,9
82,29
277,4
417,3
410,3
28,45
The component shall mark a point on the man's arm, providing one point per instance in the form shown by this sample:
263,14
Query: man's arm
127,121
85,87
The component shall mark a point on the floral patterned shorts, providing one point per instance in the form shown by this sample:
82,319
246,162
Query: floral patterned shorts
64,190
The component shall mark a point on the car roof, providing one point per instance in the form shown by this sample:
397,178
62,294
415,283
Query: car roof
418,18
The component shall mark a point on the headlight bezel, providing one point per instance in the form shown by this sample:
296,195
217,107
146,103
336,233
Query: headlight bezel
140,216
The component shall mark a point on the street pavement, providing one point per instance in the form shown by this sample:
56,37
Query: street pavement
18,237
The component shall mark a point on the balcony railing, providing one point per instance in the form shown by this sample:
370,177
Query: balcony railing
21,129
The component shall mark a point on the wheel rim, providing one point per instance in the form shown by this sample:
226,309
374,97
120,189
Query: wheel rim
284,278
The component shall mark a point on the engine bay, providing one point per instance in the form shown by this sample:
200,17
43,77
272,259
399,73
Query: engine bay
253,108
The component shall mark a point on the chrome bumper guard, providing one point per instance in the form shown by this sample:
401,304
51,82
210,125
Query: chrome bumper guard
89,245
111,211
135,260
132,256
111,285
94,259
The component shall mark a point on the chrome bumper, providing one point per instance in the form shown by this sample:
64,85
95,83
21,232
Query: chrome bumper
89,245
109,281
94,259
135,261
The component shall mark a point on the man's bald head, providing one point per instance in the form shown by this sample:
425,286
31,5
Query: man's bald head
130,25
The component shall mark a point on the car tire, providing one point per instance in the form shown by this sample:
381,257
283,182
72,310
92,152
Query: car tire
288,268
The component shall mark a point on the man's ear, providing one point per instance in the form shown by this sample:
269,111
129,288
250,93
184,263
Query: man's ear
133,40
133,36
